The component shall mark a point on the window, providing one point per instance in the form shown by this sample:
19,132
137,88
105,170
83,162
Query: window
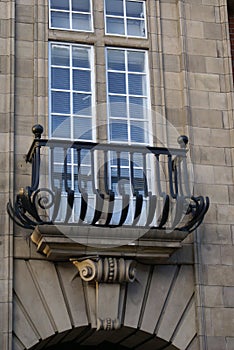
71,14
125,17
128,115
127,95
71,96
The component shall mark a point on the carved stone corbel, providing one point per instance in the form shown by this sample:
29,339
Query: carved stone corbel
107,270
104,299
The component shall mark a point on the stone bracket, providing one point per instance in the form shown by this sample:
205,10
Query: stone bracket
104,280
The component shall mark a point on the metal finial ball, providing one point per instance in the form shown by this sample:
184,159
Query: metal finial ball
182,140
37,130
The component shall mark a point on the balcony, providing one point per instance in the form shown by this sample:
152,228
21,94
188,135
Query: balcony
90,199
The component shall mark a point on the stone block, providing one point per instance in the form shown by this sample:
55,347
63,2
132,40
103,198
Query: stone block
24,32
25,13
173,98
202,13
222,322
168,10
214,65
171,63
218,100
24,49
172,81
203,47
203,174
223,177
212,155
204,82
228,296
24,86
216,343
230,343
207,118
225,214
217,193
227,255
220,138
221,275
169,27
212,31
211,254
213,296
231,194
195,29
199,99
196,63
24,68
170,45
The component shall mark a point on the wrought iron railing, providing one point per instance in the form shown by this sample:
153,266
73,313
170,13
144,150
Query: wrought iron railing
109,185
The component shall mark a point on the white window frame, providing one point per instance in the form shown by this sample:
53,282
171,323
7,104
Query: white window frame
147,120
71,115
125,18
70,12
147,95
72,163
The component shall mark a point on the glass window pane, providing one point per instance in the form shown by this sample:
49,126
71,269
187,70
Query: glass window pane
59,4
116,83
136,61
60,102
135,27
83,128
60,78
138,107
61,127
80,57
118,131
134,9
117,106
81,5
116,60
138,132
136,84
60,55
82,104
114,7
60,20
81,22
81,80
115,25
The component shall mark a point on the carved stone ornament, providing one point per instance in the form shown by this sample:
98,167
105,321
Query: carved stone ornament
108,324
107,270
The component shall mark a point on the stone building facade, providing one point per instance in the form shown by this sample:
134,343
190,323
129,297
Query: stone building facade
176,290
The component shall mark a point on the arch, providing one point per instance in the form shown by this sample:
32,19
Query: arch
87,339
50,308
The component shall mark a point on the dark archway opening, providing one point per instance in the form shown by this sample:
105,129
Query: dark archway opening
103,346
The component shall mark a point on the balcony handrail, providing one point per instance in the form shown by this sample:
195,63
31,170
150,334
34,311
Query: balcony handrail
176,204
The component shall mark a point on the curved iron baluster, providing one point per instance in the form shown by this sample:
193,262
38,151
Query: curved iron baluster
138,209
84,195
99,196
70,192
179,210
172,185
109,193
152,203
165,211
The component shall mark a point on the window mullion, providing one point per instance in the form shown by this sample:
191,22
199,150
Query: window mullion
127,96
125,17
70,13
71,94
